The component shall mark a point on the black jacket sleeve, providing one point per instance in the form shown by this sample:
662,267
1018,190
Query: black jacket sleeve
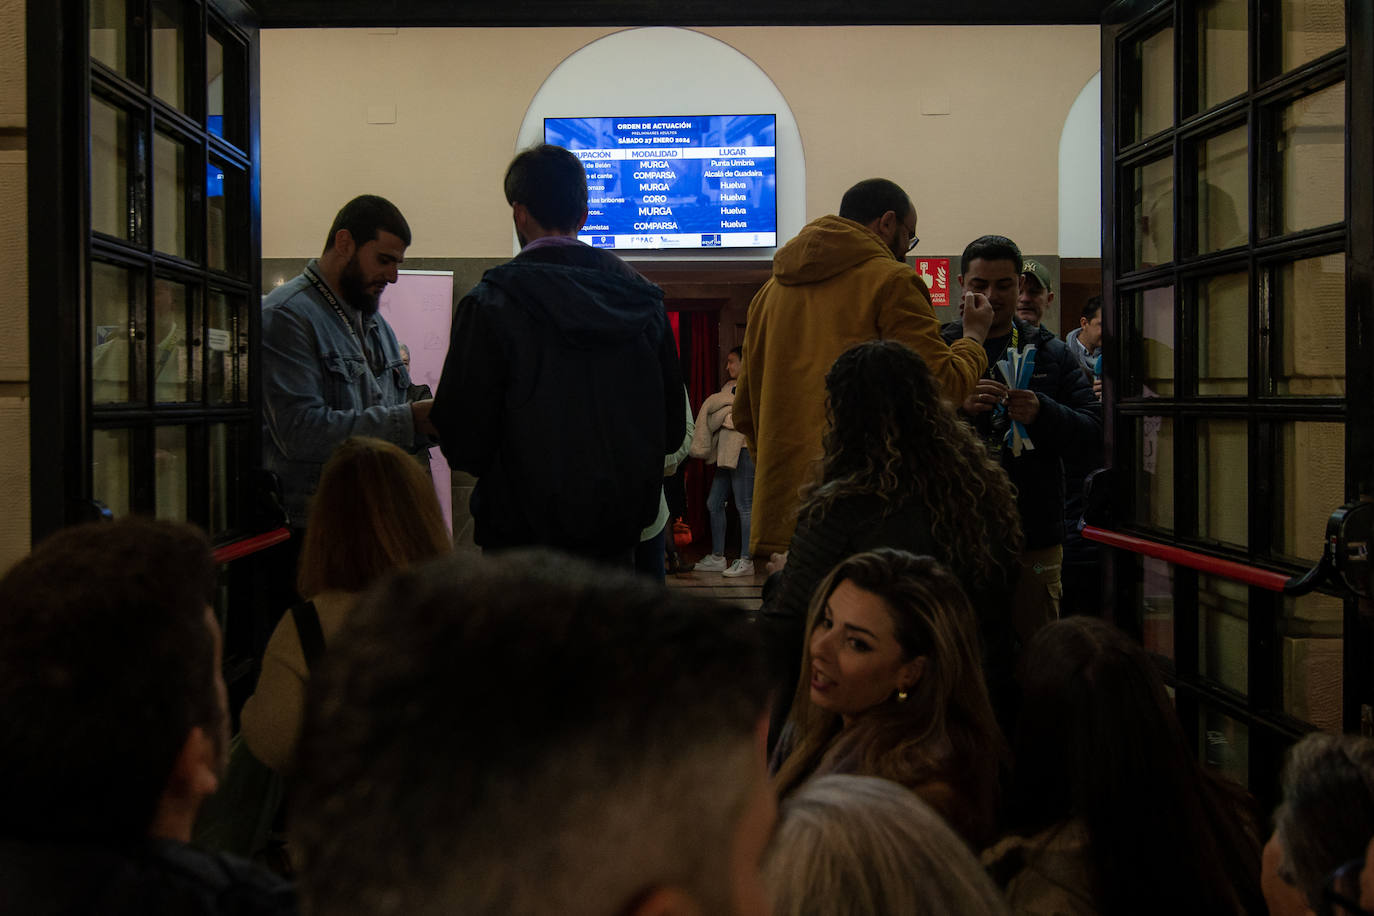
467,406
1071,415
674,405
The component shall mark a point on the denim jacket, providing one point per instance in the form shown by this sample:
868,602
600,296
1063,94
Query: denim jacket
317,388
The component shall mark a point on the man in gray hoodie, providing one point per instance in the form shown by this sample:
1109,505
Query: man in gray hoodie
1085,342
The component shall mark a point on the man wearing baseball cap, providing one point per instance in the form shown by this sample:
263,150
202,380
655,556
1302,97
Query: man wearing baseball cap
1036,293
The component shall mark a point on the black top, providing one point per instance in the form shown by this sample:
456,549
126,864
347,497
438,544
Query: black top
854,524
155,876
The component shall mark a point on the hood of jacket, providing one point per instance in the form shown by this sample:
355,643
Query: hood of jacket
1076,345
588,304
824,248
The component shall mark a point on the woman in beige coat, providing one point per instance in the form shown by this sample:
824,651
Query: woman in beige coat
716,441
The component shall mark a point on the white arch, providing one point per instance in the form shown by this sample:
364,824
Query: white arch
666,71
1080,175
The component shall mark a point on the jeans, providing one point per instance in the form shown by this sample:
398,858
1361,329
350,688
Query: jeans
740,481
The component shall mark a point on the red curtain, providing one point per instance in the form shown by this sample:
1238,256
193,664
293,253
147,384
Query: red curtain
701,370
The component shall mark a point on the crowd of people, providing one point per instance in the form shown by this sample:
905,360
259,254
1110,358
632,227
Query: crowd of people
904,726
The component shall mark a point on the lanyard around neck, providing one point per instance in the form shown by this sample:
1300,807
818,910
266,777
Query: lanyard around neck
323,289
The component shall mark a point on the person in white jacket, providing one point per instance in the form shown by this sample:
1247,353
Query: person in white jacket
716,441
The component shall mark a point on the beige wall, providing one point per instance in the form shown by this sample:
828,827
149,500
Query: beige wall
989,165
14,280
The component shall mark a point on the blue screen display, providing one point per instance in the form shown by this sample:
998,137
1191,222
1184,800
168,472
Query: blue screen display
214,180
700,181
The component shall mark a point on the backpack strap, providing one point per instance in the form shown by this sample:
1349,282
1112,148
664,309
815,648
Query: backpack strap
308,629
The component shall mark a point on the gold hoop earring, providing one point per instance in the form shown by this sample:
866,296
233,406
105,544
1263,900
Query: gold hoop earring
901,695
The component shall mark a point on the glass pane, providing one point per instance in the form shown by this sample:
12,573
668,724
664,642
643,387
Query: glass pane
1223,610
226,226
1310,631
1311,304
110,210
241,352
169,461
1154,214
1155,318
1155,477
1312,477
221,472
1157,594
110,469
1155,109
1223,325
176,328
214,86
1225,746
1223,196
169,195
1223,492
169,52
108,42
1224,56
1310,29
220,341
1312,144
117,337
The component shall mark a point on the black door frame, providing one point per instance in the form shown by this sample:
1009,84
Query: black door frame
1270,733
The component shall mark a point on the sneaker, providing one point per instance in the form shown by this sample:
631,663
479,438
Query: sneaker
741,567
712,563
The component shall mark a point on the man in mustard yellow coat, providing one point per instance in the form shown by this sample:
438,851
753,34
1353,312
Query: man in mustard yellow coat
843,280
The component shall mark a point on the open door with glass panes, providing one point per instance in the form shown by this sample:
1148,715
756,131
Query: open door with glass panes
146,282
1237,241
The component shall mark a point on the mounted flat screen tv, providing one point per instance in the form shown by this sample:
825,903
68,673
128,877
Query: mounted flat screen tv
697,181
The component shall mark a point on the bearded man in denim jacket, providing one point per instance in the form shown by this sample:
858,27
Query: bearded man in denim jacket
332,367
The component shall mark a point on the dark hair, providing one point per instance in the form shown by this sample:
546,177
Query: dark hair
1098,741
991,248
375,510
1327,815
1092,307
888,434
945,730
551,183
106,664
738,351
870,199
526,728
365,217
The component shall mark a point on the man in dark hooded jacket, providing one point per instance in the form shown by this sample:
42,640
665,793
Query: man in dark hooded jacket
562,390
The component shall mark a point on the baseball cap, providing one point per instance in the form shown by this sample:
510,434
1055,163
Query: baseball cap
1039,271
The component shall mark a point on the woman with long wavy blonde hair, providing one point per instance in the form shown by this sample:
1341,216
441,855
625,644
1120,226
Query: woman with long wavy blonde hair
900,470
892,686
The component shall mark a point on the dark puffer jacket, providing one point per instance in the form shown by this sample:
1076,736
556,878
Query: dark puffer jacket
1070,423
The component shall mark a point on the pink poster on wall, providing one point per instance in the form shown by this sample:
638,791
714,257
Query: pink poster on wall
419,308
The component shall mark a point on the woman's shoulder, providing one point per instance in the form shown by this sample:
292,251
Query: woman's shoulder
1047,873
333,607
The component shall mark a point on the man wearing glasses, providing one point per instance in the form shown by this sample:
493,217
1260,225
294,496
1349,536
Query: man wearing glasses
843,280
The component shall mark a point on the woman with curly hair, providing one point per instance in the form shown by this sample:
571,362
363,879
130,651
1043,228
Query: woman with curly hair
900,470
892,687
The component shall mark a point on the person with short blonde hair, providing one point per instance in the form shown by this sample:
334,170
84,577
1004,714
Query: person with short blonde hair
861,846
375,511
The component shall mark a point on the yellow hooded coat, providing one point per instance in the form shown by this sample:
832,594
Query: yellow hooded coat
833,286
